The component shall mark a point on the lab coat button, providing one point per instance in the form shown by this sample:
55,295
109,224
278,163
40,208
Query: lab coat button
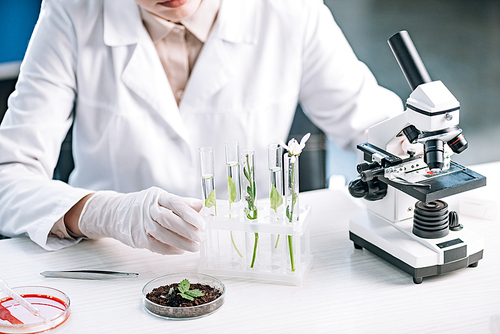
60,234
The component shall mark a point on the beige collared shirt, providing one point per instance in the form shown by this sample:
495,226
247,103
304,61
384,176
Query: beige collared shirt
179,44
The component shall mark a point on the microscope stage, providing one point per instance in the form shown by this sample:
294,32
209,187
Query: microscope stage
453,181
419,257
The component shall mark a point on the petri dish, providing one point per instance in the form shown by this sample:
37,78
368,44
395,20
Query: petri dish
52,304
183,313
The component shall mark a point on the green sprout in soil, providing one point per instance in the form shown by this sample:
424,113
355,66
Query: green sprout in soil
184,291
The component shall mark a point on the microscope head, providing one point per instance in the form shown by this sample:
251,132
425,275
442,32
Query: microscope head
432,110
433,113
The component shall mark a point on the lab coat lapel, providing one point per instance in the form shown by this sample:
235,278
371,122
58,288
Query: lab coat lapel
237,23
143,73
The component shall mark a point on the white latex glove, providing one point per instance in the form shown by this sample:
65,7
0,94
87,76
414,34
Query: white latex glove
152,219
400,146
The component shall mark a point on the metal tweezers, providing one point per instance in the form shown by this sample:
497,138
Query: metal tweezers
88,274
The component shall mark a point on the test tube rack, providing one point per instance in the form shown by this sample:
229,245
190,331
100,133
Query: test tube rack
229,247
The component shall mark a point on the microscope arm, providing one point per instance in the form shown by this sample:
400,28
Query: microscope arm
382,133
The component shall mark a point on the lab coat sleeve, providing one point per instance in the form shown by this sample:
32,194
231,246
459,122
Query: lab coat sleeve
338,92
36,122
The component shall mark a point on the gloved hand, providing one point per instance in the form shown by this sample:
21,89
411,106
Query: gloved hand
152,219
400,146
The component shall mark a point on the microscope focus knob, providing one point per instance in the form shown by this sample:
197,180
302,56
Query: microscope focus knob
358,188
373,190
376,190
453,221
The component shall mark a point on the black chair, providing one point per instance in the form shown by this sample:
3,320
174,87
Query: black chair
312,170
65,163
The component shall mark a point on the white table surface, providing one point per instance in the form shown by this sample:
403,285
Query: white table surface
346,291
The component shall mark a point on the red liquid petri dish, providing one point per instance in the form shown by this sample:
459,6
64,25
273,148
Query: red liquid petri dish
53,304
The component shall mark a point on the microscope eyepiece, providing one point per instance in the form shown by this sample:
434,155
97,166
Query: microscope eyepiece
434,154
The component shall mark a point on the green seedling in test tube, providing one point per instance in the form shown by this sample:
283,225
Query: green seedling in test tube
294,149
233,181
208,180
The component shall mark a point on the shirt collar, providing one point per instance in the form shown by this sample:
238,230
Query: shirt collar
199,23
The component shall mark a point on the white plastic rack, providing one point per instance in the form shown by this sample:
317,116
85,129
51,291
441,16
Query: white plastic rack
230,245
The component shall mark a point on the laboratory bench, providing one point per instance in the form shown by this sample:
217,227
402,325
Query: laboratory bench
346,290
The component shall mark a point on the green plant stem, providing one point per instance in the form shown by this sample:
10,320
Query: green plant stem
276,200
290,247
250,198
234,244
290,217
231,233
254,249
252,210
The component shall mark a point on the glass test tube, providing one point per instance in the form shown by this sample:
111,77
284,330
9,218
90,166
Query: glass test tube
250,196
209,211
274,163
291,166
233,175
234,197
248,183
208,181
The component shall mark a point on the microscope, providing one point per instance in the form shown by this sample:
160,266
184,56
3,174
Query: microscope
406,222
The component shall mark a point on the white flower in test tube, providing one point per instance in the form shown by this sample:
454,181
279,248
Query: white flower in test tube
294,148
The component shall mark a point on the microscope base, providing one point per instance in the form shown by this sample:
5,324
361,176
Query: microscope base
418,257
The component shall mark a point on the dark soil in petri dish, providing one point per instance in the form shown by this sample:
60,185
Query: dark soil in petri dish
161,295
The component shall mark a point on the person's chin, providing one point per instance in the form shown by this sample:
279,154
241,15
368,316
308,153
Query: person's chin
173,3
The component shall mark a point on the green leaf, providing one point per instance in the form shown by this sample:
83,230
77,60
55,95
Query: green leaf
294,199
276,198
246,174
211,199
184,291
185,296
184,286
231,190
194,293
171,291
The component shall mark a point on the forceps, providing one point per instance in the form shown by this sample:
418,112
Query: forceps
88,274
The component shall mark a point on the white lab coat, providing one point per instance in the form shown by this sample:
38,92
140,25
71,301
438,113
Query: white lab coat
95,57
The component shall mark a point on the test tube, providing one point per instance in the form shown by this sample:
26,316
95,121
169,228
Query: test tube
208,181
248,183
292,187
292,199
234,197
250,211
209,211
274,162
233,175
